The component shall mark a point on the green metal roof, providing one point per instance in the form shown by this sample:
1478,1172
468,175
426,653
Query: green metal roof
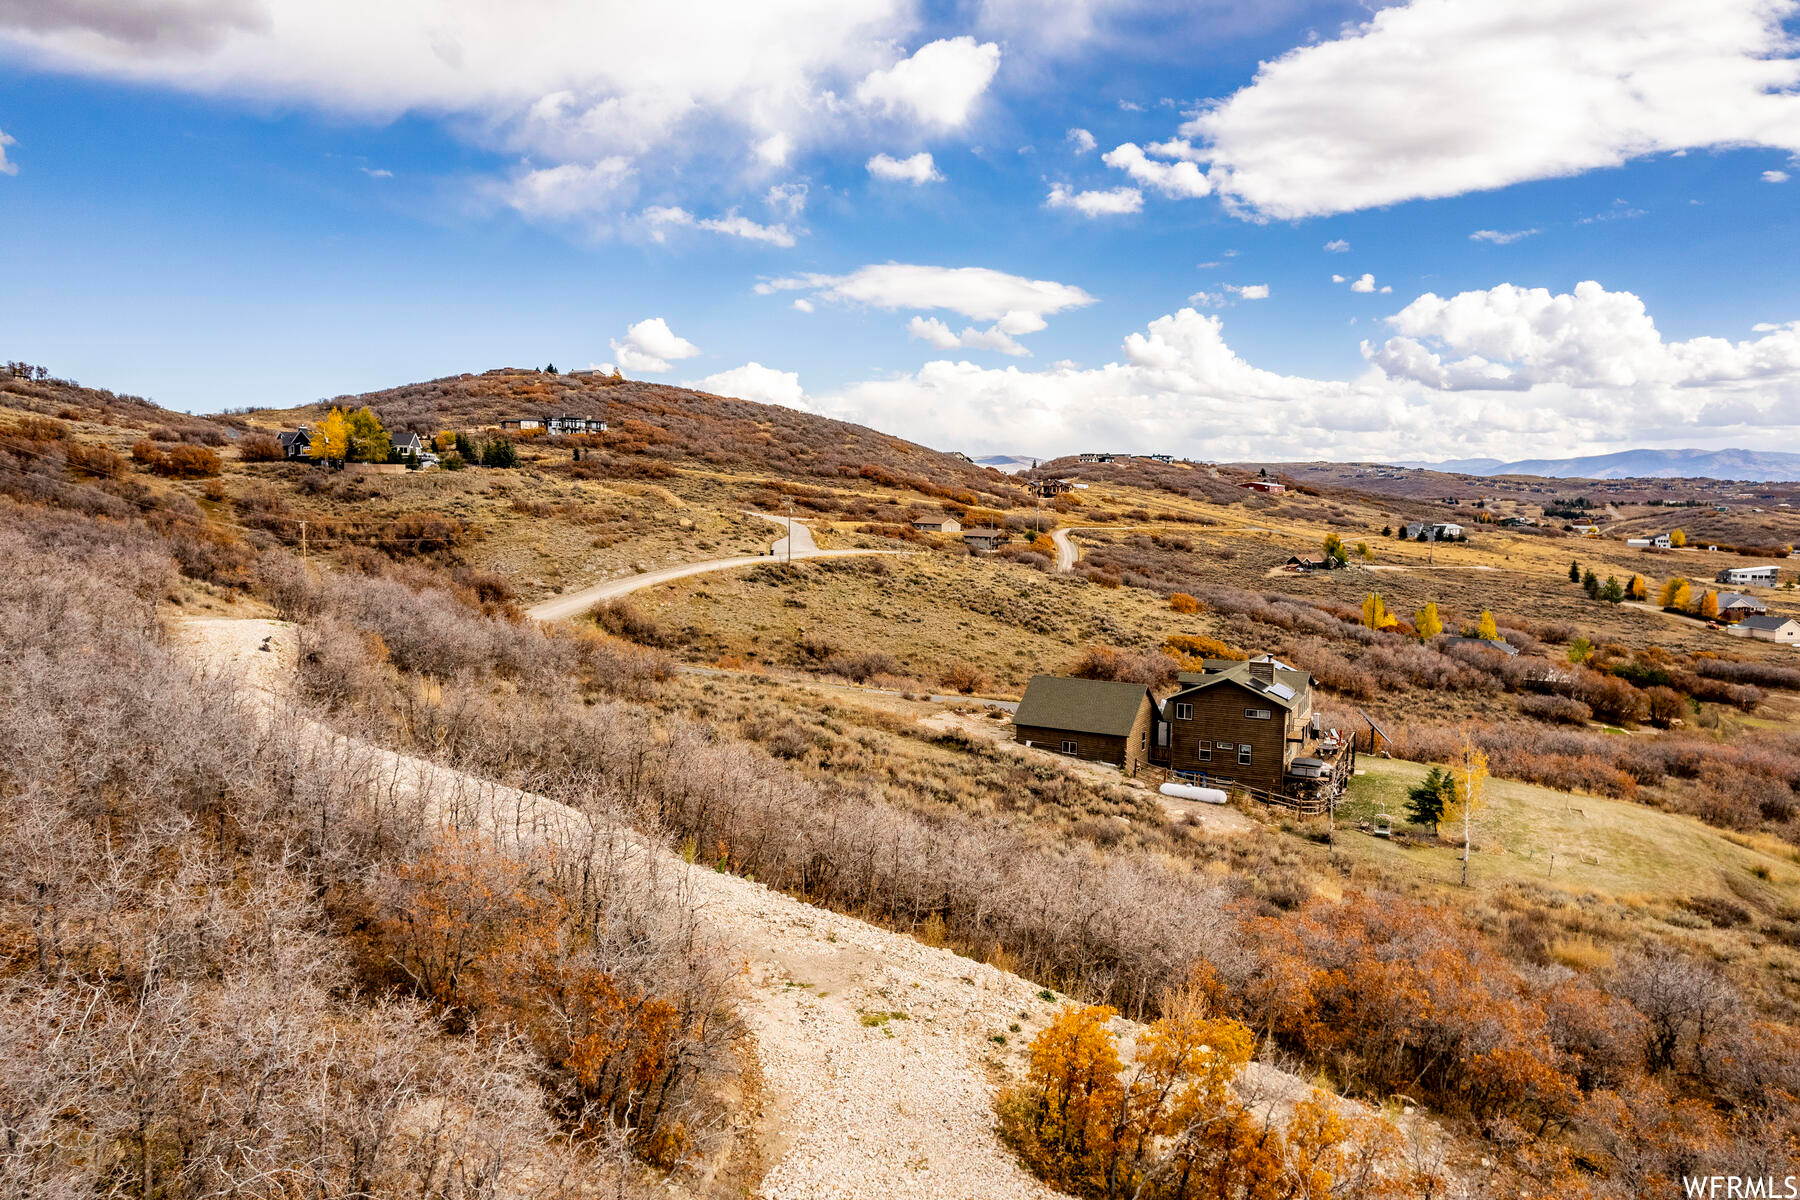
1101,706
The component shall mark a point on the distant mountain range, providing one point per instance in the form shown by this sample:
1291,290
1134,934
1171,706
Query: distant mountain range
1756,465
1012,464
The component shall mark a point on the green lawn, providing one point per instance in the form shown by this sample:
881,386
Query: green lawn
1608,847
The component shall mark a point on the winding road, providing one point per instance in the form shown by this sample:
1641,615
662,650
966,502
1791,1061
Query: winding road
1065,550
572,604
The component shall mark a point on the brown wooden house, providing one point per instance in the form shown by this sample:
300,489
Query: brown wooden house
1097,719
1241,722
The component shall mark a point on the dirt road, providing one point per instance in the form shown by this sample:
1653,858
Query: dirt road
878,1053
1065,550
571,604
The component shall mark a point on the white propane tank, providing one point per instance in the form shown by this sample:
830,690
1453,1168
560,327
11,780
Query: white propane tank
1188,791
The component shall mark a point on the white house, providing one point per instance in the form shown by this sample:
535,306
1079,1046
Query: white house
1748,576
1785,630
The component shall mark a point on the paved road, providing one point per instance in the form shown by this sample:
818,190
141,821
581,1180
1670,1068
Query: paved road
571,604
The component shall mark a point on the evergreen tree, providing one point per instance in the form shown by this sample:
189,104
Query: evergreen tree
1613,591
499,453
1387,531
1425,800
1574,571
1590,583
466,448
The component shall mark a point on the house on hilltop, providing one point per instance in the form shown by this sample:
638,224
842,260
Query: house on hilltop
296,443
1735,606
938,523
1101,720
1748,576
564,425
1243,723
1267,487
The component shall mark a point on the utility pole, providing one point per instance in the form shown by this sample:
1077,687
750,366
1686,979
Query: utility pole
303,541
790,536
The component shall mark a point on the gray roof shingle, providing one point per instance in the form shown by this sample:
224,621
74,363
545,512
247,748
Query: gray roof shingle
1102,706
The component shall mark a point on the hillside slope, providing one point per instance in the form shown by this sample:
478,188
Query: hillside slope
670,423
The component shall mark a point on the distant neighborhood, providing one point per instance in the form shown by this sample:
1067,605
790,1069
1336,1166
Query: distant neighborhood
359,437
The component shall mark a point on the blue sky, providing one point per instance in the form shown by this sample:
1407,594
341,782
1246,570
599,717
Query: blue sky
1227,230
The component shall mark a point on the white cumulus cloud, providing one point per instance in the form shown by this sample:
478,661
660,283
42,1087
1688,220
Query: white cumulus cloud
802,304
1082,140
1519,338
650,346
1182,180
1363,283
940,335
1527,373
1111,203
1775,176
572,190
917,168
1337,246
938,85
753,381
1249,291
1443,97
979,293
7,167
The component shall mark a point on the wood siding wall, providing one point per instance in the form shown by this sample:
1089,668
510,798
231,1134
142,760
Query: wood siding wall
1127,752
1219,717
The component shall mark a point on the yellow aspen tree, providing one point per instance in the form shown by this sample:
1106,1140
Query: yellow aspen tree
1677,538
1636,589
331,440
1470,798
1485,629
1376,615
1428,622
1709,605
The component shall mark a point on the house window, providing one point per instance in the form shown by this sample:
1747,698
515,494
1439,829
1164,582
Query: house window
1184,712
1257,714
1204,753
1243,756
1068,747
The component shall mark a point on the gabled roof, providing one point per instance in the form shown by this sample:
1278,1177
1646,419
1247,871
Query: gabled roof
1103,706
1729,599
1504,647
1767,624
1289,684
984,532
